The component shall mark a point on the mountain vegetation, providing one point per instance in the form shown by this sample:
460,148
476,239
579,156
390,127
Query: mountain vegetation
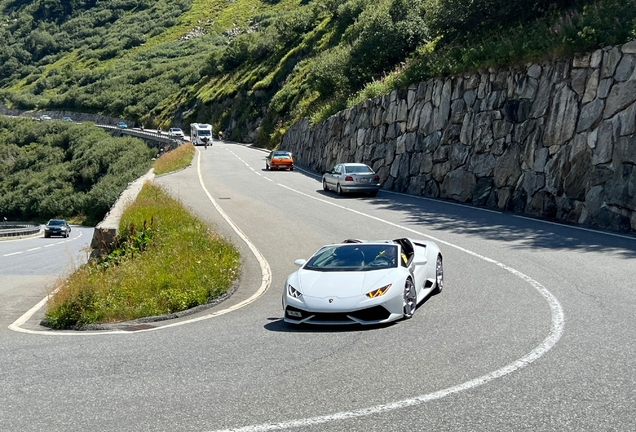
252,67
59,169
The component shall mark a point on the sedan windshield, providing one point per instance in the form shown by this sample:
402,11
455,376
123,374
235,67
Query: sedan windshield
358,169
354,257
281,154
56,222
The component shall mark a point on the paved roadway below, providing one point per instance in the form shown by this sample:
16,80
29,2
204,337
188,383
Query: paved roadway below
248,368
30,268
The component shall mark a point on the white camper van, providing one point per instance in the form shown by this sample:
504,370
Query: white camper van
200,133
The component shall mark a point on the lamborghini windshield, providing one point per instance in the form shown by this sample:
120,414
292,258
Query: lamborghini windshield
354,257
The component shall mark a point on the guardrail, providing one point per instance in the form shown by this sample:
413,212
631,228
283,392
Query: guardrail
139,133
15,229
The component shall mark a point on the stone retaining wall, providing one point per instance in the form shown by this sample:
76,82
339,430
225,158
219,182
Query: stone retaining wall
557,140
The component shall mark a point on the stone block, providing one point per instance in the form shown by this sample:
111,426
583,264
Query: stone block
625,68
562,117
591,87
458,89
607,134
534,71
625,150
532,182
596,58
591,115
540,159
604,88
611,59
620,97
629,48
579,78
582,61
627,119
458,185
402,111
426,119
508,168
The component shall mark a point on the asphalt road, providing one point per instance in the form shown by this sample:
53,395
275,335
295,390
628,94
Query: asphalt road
533,331
31,267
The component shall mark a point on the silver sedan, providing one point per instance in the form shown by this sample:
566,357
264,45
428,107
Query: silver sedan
351,177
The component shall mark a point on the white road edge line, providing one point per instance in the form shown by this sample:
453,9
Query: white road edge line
556,330
576,227
266,280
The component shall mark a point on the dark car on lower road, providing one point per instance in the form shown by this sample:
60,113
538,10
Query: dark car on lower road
57,227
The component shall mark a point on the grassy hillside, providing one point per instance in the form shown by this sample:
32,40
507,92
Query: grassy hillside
252,67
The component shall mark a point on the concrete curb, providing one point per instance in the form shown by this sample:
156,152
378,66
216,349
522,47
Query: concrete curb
106,231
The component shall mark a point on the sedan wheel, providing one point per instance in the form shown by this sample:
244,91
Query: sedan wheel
339,189
324,185
439,275
410,299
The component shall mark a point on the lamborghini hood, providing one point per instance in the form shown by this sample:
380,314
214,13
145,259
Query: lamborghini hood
342,284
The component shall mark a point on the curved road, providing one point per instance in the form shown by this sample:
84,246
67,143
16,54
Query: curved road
534,330
30,268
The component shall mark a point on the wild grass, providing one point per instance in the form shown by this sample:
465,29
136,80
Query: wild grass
176,159
166,260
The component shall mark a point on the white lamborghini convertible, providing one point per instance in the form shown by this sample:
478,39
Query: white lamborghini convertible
363,282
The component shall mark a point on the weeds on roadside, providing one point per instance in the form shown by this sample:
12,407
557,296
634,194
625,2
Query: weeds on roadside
175,159
165,261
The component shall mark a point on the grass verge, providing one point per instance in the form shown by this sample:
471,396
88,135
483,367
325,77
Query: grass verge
174,160
165,261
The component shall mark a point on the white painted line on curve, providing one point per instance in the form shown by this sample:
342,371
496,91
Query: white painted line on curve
34,249
556,330
49,245
11,254
575,227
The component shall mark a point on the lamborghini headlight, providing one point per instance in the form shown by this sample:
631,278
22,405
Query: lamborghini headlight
293,292
379,292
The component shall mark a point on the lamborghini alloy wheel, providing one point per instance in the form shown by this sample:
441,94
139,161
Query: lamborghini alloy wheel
439,275
410,299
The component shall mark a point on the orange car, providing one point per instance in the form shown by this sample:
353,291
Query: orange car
279,159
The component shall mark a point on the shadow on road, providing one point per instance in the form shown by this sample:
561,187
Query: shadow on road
467,220
278,325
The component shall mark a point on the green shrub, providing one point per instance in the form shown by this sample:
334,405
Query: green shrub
59,169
